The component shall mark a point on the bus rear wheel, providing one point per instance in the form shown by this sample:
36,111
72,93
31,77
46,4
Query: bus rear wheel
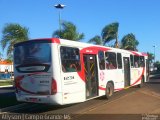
109,90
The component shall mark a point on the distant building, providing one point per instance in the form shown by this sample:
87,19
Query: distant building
6,66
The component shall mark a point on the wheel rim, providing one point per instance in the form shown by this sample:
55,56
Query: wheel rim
109,91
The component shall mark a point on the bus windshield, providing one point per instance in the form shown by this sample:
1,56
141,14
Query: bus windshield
32,53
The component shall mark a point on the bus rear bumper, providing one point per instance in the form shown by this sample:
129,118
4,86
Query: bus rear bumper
47,99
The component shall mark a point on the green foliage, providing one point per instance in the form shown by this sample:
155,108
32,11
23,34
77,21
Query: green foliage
129,42
109,32
69,31
150,57
9,60
7,82
11,34
96,40
1,55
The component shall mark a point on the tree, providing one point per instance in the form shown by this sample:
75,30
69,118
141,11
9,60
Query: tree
11,34
109,32
1,56
129,42
150,57
96,40
69,31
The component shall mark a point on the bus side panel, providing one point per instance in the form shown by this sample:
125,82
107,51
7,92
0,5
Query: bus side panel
102,82
119,79
111,75
136,76
73,88
56,98
116,76
146,73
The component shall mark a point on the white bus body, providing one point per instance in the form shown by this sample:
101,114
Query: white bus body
58,71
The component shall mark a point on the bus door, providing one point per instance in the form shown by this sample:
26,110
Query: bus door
91,75
126,71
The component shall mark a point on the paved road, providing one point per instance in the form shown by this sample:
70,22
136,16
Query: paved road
141,104
131,104
7,91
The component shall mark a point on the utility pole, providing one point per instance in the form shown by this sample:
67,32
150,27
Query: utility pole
59,6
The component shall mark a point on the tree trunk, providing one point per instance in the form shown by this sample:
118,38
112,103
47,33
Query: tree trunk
116,45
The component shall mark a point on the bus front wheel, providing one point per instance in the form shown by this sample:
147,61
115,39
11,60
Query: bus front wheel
109,90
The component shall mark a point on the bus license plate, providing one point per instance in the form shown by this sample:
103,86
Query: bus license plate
33,99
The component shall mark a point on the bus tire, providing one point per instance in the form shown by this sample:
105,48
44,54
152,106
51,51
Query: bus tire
109,90
142,82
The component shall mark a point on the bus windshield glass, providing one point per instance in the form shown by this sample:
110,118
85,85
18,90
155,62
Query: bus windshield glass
32,53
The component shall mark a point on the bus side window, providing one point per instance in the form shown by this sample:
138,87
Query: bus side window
132,61
119,60
101,60
70,59
142,63
136,61
111,61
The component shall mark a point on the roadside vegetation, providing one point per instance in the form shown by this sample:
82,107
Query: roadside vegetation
11,34
6,82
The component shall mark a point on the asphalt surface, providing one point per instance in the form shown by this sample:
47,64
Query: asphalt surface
7,91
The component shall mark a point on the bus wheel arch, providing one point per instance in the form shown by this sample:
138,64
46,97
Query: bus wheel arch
109,89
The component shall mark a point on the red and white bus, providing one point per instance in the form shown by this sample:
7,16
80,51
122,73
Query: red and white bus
58,71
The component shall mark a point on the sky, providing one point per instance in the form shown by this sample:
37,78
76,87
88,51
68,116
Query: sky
140,17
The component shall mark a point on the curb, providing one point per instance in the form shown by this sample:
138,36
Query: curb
150,76
6,86
5,80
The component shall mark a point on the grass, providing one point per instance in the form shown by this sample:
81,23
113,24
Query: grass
6,82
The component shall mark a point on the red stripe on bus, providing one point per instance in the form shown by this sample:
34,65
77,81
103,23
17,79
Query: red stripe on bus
18,79
93,50
89,50
55,40
82,72
140,78
135,53
118,89
101,88
144,54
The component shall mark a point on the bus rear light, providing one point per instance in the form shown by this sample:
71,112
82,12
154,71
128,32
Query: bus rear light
17,83
54,87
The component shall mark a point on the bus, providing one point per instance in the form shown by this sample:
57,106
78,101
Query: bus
58,71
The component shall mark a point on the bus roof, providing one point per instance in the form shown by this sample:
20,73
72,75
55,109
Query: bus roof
78,44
